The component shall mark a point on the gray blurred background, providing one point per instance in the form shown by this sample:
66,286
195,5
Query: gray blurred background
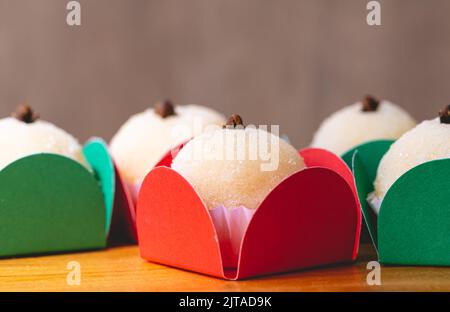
287,62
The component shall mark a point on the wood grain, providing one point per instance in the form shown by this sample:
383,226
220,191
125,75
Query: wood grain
121,269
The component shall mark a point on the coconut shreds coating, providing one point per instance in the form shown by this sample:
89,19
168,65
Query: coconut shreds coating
214,164
19,139
428,141
146,137
352,126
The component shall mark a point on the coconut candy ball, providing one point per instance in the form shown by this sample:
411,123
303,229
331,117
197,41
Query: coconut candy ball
361,122
428,141
146,137
213,164
23,135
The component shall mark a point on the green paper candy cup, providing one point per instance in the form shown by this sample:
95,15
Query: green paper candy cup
413,224
50,203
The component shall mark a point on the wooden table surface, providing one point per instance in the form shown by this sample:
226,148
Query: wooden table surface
121,269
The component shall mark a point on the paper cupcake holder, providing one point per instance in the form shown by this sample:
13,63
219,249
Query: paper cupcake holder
310,219
51,204
413,224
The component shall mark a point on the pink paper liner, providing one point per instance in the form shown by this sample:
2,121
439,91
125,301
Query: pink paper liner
230,224
374,202
134,188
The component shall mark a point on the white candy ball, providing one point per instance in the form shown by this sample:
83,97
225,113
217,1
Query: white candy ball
236,180
351,126
428,141
146,137
19,139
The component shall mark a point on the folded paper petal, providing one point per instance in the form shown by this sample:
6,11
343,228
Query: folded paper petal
414,218
49,203
363,161
174,226
317,157
308,220
120,213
